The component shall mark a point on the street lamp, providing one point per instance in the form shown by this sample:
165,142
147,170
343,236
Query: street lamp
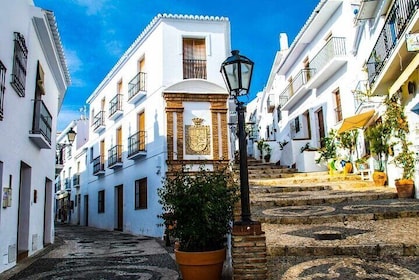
71,135
237,73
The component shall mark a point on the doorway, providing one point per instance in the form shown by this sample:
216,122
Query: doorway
320,123
48,212
119,207
23,221
86,210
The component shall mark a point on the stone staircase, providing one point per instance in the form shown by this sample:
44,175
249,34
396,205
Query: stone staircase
314,218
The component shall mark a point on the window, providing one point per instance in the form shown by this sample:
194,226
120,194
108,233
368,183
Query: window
194,59
141,194
297,124
2,88
338,105
101,201
19,65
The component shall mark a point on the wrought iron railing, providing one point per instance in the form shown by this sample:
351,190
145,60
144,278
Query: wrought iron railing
114,155
302,77
98,164
137,84
194,69
115,104
76,180
333,48
42,120
98,120
397,20
136,143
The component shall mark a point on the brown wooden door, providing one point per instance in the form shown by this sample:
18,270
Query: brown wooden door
320,120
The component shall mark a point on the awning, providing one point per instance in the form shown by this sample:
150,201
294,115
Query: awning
404,75
357,121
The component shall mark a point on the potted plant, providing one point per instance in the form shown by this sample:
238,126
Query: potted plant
378,138
267,152
327,152
260,146
201,208
405,158
348,141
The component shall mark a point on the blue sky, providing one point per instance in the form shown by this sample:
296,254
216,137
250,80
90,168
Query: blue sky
95,33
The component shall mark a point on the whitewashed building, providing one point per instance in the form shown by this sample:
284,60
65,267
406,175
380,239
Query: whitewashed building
309,90
163,105
347,57
33,81
71,165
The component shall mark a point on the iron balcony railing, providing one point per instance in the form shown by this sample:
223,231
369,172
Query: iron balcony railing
194,69
98,165
76,180
137,84
67,184
115,155
136,143
98,120
302,77
42,120
398,19
333,48
115,104
270,103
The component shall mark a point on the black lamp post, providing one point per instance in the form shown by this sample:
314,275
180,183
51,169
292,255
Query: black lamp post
237,73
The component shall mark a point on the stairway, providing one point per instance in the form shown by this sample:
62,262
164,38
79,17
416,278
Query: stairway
315,217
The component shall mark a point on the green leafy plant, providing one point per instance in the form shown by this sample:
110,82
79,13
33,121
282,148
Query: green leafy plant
199,205
378,138
396,120
328,150
348,140
282,144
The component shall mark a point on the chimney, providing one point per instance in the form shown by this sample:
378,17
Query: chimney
283,42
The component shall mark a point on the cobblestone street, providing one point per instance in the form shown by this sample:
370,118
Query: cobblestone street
88,253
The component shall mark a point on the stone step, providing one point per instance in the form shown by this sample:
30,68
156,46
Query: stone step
357,238
339,212
304,198
287,189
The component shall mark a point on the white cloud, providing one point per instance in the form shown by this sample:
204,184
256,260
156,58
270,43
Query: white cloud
66,116
93,6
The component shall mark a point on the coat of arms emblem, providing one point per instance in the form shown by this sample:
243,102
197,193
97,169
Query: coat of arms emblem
197,138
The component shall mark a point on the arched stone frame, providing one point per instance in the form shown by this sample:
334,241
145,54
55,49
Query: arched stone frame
175,128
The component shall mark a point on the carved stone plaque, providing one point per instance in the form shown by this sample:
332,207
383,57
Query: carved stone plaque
198,141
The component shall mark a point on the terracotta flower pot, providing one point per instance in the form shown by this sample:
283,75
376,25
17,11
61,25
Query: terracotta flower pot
379,178
405,188
201,265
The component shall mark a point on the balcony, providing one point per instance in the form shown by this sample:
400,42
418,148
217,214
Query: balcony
390,51
137,88
59,161
76,180
115,107
98,122
98,166
327,61
270,106
194,69
296,88
67,184
41,126
363,98
137,145
115,156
